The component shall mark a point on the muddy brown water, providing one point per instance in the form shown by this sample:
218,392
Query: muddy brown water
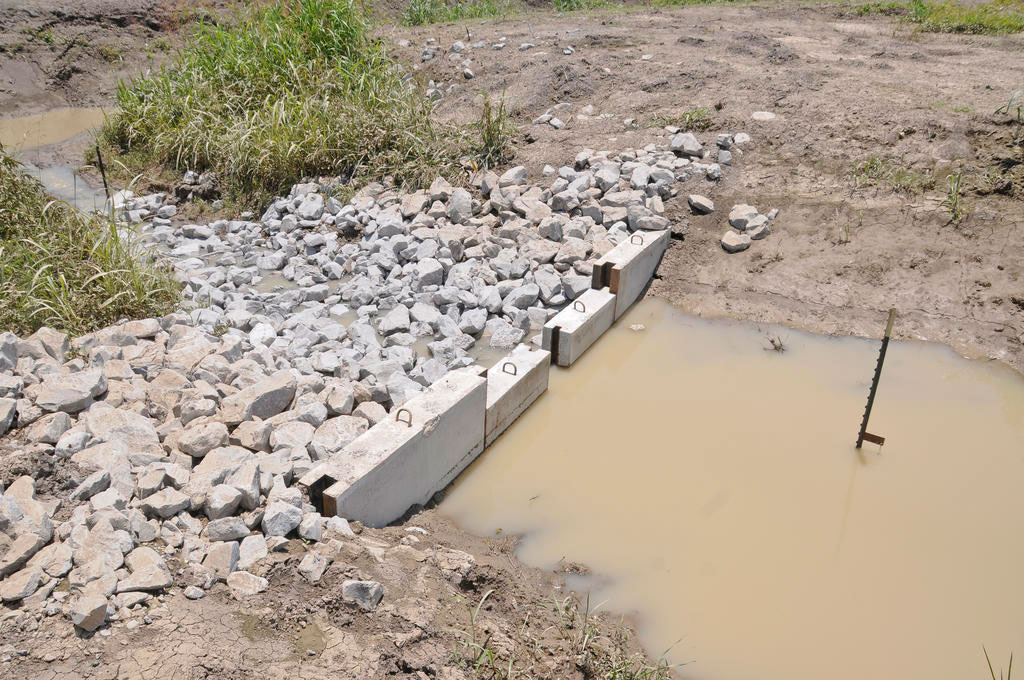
51,127
713,489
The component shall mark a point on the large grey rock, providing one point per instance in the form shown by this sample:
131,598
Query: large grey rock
222,501
148,572
252,550
460,206
313,566
165,503
18,553
513,177
222,558
366,594
686,144
280,518
734,243
291,435
311,527
429,272
227,529
21,584
48,429
8,351
264,399
740,215
8,410
103,543
335,434
523,296
311,208
243,584
700,205
71,392
122,425
395,321
88,611
199,440
340,398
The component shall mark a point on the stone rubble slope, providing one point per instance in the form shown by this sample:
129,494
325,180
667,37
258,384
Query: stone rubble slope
186,434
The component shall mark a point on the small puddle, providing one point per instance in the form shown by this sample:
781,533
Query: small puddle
713,488
51,127
62,183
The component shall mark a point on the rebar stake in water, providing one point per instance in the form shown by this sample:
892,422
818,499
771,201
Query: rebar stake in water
864,434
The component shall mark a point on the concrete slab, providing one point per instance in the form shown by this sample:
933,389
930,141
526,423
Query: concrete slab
627,268
405,459
513,384
568,334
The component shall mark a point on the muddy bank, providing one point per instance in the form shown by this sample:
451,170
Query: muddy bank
844,91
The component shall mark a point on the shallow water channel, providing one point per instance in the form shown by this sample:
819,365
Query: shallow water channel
24,137
713,488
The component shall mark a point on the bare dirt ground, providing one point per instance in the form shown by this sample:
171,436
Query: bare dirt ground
843,89
423,628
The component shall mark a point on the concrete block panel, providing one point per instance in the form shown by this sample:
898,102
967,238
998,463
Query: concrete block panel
513,384
405,459
568,334
627,268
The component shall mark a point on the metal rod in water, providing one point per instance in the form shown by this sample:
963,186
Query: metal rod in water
103,173
864,434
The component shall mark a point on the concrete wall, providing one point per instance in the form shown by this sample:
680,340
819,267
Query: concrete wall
513,384
395,465
627,268
421,448
568,334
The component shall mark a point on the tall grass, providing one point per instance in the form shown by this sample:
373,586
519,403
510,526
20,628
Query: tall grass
420,12
285,90
64,269
997,17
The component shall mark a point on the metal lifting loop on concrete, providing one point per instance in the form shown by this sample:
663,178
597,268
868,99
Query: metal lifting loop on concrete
398,417
636,239
506,365
579,306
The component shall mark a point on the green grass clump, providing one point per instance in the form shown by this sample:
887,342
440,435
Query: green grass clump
892,173
420,12
286,90
65,269
698,118
574,5
996,17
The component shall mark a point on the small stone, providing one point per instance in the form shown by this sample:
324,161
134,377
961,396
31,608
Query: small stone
366,594
763,116
194,593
